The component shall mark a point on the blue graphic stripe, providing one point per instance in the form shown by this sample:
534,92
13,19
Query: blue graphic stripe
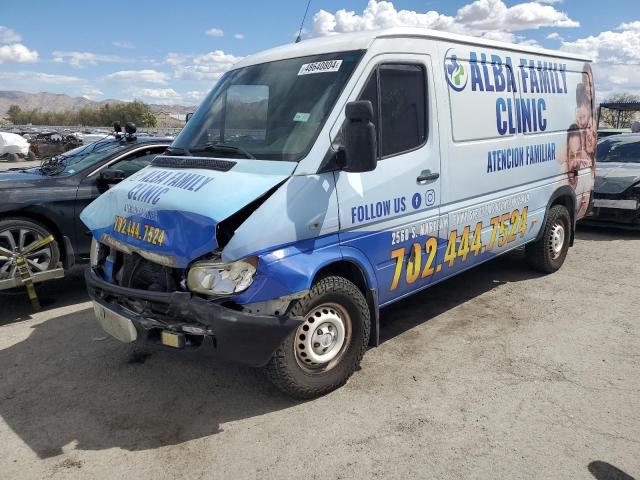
187,235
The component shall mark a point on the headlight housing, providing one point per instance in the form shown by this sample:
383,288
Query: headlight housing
94,252
214,278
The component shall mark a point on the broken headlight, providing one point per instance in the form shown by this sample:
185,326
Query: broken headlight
211,278
94,252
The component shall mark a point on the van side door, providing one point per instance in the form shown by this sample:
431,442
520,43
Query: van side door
391,214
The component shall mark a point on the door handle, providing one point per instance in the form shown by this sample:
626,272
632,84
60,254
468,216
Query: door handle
426,176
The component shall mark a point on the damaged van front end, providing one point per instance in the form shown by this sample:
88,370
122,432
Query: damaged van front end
157,274
183,255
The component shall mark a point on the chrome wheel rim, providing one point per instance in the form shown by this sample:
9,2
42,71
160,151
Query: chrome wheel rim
322,339
556,240
18,240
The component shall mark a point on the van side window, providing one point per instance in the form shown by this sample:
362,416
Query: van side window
370,92
398,94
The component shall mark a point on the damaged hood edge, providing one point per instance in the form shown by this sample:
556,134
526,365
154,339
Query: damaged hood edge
172,213
616,177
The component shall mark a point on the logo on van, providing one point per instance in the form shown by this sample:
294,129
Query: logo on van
455,72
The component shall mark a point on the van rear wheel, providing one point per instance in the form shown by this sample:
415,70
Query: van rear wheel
547,254
325,350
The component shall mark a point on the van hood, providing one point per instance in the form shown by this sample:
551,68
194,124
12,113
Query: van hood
616,177
169,213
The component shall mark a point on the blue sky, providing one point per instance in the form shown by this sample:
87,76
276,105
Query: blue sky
175,53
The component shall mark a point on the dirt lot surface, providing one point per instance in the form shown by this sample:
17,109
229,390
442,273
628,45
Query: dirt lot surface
497,373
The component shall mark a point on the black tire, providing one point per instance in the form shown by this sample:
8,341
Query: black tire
12,157
286,370
34,230
544,255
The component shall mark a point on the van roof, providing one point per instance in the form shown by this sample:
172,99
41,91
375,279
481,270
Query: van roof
363,40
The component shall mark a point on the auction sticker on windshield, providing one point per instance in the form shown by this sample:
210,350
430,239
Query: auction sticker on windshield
320,67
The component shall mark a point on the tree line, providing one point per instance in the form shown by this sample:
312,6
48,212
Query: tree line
140,114
105,115
609,118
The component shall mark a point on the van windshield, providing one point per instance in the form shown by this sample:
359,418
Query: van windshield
270,111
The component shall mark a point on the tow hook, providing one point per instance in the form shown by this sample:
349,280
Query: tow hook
20,260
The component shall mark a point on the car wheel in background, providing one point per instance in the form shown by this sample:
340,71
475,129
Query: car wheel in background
17,235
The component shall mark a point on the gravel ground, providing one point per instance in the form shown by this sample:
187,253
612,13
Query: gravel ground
497,373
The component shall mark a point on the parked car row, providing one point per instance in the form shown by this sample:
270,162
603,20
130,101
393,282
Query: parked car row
36,143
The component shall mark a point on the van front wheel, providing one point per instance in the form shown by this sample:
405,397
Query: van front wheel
547,254
325,350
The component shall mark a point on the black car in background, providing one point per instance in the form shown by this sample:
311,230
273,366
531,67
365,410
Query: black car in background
36,202
616,193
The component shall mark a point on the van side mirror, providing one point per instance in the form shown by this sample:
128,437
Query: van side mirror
360,149
111,176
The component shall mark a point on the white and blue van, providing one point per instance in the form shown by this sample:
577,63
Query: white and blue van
321,181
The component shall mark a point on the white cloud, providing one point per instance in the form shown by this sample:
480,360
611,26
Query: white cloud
619,46
616,55
509,37
476,18
376,15
494,14
239,36
9,36
156,93
554,36
214,32
82,59
127,45
17,53
147,76
21,77
166,96
194,96
634,26
91,93
208,66
30,81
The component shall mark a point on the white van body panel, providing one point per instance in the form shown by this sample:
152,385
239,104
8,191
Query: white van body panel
497,152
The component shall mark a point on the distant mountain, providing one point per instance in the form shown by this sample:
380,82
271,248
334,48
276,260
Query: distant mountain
57,102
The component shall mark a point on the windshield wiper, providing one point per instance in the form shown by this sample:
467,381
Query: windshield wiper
178,151
219,147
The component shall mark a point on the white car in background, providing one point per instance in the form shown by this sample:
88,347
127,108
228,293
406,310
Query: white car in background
13,147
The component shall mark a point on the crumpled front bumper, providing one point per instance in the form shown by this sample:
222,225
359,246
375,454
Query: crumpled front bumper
619,211
233,335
